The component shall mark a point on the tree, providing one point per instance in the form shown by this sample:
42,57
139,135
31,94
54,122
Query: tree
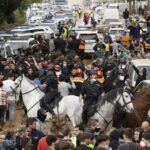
7,7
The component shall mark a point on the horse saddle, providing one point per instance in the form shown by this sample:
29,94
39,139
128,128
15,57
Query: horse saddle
45,104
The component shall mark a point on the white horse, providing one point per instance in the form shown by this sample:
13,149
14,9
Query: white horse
71,106
32,94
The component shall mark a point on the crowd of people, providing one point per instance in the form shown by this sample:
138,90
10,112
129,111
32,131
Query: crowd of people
63,72
62,137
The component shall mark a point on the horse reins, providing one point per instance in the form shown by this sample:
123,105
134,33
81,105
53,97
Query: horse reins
27,93
37,101
109,122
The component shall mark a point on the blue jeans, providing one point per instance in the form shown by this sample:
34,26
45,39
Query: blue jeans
126,21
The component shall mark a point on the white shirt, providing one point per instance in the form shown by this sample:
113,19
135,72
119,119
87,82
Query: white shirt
7,84
63,88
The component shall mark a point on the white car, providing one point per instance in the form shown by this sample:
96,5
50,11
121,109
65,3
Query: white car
138,63
50,23
35,20
116,25
61,17
90,40
116,32
38,30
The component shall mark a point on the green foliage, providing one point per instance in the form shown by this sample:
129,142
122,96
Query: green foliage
13,10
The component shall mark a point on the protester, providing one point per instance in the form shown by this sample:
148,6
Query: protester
145,126
103,142
64,87
34,134
128,136
9,86
146,140
3,104
85,139
126,17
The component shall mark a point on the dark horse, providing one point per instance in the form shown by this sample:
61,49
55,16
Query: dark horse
141,103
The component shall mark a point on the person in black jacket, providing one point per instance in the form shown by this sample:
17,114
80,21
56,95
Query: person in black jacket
114,140
141,74
90,91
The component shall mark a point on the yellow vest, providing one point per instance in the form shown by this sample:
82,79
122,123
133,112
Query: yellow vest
91,146
107,47
74,141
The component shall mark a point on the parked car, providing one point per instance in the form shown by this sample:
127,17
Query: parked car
110,15
116,32
60,17
138,63
41,30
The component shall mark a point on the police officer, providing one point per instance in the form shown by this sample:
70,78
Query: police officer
51,92
90,92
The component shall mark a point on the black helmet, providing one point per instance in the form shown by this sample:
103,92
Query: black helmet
41,114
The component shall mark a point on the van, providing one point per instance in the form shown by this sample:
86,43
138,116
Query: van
38,30
110,15
17,43
138,63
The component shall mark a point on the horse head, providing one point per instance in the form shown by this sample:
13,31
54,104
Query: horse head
17,87
124,100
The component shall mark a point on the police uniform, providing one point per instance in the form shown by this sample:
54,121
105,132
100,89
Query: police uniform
90,91
51,93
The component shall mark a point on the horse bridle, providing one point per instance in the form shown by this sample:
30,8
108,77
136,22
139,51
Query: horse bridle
27,91
109,122
37,101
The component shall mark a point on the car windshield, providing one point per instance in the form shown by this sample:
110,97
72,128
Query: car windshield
89,36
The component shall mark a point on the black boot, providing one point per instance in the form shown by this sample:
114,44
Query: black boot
85,118
51,111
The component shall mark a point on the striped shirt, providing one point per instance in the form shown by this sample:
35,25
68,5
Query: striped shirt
3,97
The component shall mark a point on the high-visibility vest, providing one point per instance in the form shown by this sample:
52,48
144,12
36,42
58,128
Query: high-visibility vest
78,79
91,146
107,47
65,32
74,141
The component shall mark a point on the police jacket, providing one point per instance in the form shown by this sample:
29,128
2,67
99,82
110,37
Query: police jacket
91,90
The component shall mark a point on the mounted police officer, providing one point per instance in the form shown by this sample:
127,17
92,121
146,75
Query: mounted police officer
51,93
90,92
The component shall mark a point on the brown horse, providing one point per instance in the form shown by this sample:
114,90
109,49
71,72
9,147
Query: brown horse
141,103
